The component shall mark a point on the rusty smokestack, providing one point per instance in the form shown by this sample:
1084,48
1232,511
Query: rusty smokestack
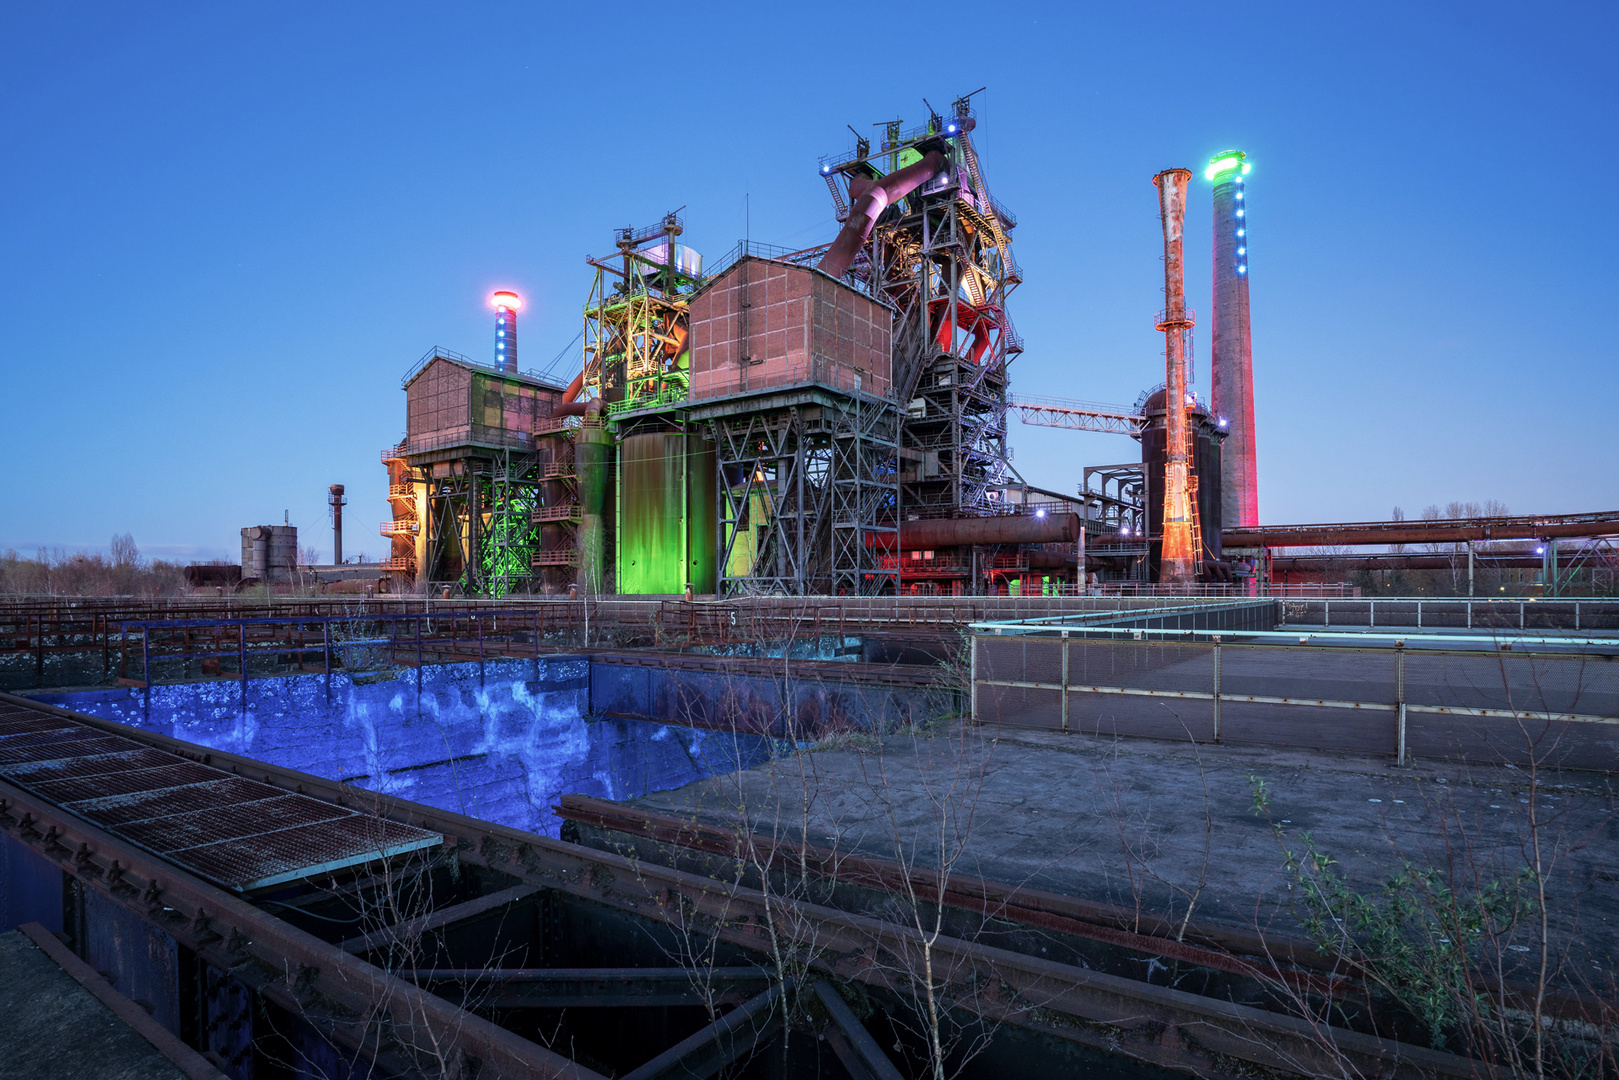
1181,542
334,499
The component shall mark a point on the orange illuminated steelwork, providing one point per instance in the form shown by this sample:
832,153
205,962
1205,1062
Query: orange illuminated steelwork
1182,544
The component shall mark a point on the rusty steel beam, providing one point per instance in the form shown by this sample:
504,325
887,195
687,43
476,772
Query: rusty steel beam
1444,531
850,1040
190,1063
437,919
1219,948
355,1003
735,1035
591,988
1155,1024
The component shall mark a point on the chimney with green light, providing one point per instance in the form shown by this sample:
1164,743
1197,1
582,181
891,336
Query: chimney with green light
1233,366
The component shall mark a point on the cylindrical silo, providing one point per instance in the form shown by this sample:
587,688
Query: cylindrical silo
593,450
1233,361
283,554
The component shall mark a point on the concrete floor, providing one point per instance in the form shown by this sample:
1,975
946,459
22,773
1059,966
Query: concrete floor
54,1028
1153,825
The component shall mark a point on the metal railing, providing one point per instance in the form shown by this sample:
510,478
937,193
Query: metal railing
466,361
1554,700
1521,614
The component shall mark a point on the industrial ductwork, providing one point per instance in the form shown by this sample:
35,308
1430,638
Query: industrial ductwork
871,198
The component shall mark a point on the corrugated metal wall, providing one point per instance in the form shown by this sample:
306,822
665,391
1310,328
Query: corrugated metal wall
764,324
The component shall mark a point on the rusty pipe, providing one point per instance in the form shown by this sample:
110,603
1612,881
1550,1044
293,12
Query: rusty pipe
570,406
871,198
926,534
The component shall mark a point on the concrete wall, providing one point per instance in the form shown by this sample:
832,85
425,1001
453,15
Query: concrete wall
501,743
759,704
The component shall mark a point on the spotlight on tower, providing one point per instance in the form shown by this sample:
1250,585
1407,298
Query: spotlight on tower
506,305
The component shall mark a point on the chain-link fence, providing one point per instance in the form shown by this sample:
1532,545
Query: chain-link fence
1492,703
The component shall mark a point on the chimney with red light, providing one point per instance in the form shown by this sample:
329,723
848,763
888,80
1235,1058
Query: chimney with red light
506,305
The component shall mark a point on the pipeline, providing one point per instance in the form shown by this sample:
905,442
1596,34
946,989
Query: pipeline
570,406
929,533
871,198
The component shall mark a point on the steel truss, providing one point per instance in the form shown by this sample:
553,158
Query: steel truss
510,534
1077,415
635,348
943,257
807,491
482,535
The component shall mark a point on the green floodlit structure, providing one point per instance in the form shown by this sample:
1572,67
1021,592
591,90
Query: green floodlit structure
666,498
1225,161
509,536
755,429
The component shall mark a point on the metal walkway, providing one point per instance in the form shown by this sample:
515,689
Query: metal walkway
227,829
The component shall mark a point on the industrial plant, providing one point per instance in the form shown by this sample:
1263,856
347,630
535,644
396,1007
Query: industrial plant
729,705
830,421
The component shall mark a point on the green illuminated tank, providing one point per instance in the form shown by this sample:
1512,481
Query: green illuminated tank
666,514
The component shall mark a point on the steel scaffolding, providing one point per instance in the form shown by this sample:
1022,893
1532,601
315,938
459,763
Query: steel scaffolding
808,492
943,257
635,330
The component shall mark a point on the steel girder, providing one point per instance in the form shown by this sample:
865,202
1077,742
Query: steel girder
1160,1025
811,486
354,1003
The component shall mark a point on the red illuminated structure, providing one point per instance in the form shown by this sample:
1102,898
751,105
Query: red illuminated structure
506,305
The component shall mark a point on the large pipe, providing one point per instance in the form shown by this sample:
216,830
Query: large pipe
570,406
925,534
871,198
1443,531
1180,558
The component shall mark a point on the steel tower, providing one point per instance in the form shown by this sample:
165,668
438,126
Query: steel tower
1233,377
922,232
1182,550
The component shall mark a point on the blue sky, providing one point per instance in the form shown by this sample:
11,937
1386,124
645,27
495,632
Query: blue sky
228,230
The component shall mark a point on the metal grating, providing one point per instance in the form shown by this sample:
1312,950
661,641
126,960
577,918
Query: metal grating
292,854
148,802
233,831
93,778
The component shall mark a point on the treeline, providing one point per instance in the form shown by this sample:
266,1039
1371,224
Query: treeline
121,572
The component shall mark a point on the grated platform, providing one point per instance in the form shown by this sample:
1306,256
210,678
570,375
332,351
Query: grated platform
233,831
